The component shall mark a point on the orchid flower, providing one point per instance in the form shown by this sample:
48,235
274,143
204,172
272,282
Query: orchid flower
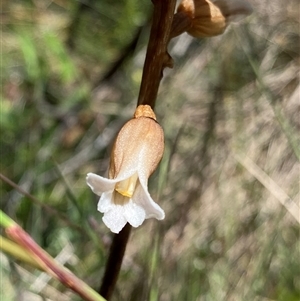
136,153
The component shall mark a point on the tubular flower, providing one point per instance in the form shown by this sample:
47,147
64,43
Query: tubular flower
136,153
209,18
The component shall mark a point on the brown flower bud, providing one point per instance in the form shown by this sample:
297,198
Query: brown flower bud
206,18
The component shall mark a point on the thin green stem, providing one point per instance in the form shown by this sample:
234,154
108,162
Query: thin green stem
47,208
17,252
48,263
5,220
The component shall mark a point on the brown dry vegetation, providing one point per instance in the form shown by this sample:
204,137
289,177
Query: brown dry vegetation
229,179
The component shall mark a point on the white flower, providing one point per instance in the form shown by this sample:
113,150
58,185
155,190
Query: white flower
136,153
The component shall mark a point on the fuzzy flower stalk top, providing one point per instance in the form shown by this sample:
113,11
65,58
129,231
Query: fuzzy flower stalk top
136,153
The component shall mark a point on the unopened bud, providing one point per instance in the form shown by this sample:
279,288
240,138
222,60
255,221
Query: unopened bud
207,18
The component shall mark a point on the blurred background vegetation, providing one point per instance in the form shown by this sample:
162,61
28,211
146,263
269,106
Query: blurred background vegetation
70,76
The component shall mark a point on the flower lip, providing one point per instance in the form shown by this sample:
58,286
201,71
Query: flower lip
119,209
119,199
127,186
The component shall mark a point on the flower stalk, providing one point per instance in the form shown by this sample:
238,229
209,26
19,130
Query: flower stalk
157,58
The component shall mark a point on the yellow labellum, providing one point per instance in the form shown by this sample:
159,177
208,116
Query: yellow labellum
127,187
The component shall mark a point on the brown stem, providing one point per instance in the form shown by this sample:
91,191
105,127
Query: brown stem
157,57
181,23
114,262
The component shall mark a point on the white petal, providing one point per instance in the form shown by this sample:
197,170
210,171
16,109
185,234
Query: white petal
134,214
114,219
105,202
142,198
99,184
